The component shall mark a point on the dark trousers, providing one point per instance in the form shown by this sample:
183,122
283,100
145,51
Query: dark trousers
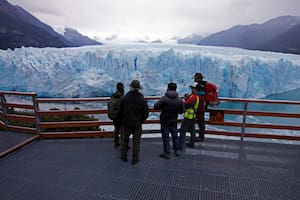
117,127
136,138
201,124
166,128
187,125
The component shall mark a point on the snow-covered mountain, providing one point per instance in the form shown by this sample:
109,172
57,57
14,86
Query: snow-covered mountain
77,39
191,39
94,71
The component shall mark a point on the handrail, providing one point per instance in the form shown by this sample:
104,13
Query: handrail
18,105
74,124
259,113
18,93
57,100
41,125
71,112
2,125
20,118
14,148
260,101
22,129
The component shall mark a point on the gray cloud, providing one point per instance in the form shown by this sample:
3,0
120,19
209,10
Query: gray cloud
155,18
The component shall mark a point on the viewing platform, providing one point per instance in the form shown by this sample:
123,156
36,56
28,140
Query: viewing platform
92,169
244,163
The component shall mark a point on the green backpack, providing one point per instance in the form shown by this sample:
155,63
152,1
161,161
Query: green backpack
113,105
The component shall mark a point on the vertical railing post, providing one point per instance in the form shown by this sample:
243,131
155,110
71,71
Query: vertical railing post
37,117
244,120
4,110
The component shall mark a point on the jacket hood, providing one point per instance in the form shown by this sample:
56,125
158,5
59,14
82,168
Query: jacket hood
200,93
172,94
118,94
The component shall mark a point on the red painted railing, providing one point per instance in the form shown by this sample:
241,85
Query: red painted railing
217,118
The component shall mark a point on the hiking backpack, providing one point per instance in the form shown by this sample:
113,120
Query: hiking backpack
211,94
112,106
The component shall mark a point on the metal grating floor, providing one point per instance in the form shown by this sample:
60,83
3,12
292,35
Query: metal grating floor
9,139
91,169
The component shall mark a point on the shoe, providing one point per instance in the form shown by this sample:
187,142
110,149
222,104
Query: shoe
190,145
117,145
199,139
128,148
177,153
124,159
134,162
165,155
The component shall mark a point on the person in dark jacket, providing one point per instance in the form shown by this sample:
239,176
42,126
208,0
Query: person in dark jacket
170,106
133,111
117,123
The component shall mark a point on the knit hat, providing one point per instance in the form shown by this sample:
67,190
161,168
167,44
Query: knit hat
172,86
120,86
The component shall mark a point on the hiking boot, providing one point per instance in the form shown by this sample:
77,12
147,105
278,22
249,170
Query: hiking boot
134,162
199,139
165,155
177,153
124,158
190,145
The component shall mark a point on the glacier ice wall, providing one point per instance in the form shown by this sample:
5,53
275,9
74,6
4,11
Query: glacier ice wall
94,71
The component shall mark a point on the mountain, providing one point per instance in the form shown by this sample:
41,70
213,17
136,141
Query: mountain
19,28
191,39
77,39
94,71
259,36
288,42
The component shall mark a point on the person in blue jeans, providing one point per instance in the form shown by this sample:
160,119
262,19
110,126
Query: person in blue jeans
170,105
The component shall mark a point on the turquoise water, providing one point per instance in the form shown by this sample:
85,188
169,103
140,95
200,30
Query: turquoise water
291,96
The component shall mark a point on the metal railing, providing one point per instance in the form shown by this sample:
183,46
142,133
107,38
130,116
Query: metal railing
217,118
6,117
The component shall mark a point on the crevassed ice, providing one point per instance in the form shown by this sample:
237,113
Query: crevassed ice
94,70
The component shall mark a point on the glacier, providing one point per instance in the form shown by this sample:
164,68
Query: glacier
93,71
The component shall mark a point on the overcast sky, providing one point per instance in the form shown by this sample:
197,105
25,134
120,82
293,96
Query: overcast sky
156,19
